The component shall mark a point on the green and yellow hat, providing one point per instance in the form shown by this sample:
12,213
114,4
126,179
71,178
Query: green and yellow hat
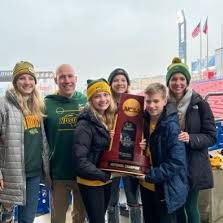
95,86
177,67
23,67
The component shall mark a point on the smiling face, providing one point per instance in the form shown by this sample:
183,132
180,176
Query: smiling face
178,85
25,84
155,104
66,80
119,84
101,101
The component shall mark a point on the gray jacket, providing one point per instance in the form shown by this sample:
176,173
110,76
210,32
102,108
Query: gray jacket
12,164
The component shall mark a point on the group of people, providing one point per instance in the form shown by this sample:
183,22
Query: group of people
59,142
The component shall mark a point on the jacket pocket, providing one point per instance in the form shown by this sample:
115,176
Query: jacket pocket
2,156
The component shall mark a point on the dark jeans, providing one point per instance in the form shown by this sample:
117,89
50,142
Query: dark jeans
189,212
154,209
131,187
96,199
26,214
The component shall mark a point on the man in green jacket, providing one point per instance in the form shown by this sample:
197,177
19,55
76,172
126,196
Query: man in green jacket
61,111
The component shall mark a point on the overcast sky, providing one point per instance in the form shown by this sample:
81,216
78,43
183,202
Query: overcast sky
96,36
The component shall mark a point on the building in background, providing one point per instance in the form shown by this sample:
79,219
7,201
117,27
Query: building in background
219,62
208,71
45,82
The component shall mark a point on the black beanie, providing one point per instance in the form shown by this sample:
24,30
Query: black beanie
118,71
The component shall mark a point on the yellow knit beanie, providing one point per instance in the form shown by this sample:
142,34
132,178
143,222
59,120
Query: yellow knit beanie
95,86
23,67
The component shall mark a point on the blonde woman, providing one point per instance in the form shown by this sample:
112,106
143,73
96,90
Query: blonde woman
91,138
23,146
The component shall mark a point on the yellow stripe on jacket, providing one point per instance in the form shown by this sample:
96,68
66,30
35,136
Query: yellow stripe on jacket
145,184
92,183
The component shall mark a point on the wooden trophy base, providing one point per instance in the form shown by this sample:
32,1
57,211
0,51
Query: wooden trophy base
123,171
127,168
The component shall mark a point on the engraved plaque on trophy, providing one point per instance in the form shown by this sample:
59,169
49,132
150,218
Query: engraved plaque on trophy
124,154
127,139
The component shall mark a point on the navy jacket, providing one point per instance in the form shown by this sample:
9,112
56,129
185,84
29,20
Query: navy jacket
201,127
169,171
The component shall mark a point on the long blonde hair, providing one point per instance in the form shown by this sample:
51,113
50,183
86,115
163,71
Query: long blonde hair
108,119
33,105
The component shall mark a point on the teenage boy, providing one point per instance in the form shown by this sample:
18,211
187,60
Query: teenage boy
164,187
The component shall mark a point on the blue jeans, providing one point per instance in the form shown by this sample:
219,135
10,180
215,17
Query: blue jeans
131,187
26,214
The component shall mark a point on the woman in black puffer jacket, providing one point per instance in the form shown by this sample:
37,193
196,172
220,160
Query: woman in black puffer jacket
198,132
91,138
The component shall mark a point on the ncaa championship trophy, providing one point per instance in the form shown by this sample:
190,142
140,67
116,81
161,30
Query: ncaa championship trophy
124,154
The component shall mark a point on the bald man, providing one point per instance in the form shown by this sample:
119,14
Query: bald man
61,111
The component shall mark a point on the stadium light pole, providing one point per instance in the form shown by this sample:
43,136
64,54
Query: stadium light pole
182,42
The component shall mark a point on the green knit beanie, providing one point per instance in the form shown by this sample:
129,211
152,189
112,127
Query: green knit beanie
177,67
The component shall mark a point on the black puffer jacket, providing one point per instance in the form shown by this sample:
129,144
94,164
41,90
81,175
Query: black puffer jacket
201,127
90,139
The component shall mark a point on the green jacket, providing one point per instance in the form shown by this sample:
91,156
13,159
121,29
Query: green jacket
60,120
